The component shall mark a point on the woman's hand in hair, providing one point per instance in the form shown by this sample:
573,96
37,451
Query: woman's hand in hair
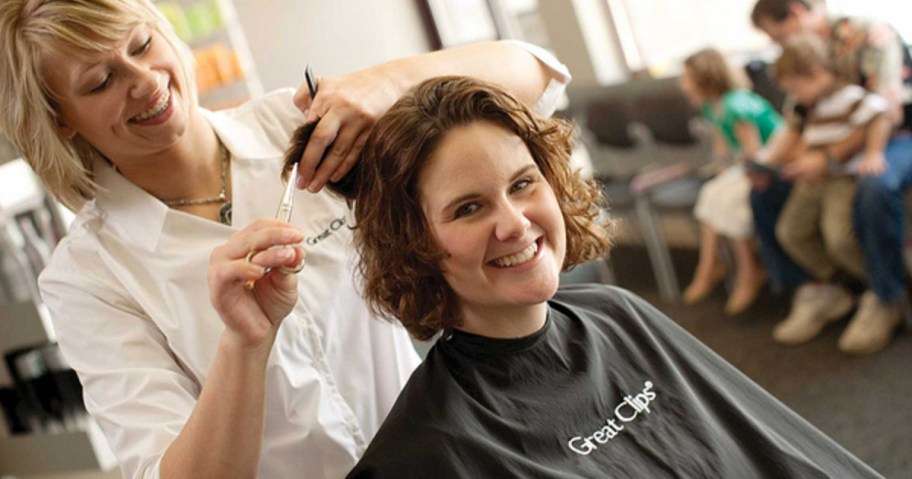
246,285
347,107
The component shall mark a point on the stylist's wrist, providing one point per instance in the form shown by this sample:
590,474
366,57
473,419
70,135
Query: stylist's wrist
246,345
401,75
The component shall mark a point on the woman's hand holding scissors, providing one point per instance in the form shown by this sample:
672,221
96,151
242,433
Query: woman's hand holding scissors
253,314
347,108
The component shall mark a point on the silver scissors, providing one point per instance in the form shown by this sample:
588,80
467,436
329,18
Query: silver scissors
283,213
286,205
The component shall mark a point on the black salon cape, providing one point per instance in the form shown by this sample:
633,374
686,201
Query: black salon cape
609,388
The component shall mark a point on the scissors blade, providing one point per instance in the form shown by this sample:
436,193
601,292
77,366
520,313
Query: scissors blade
287,204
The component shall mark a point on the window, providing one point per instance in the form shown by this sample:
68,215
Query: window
658,34
898,14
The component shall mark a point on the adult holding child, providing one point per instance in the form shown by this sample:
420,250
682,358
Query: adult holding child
815,226
872,55
189,373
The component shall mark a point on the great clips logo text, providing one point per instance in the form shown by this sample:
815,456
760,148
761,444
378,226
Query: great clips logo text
624,413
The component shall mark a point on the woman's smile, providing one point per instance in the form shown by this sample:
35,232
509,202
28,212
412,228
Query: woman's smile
525,257
158,112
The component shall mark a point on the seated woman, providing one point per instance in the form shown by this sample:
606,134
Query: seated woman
465,213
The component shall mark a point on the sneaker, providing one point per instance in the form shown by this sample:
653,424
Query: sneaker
813,307
872,327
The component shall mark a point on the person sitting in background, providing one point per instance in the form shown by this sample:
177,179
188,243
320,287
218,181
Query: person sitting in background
815,226
872,55
465,212
742,122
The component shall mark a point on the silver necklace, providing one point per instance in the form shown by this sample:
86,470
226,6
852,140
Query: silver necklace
224,213
221,197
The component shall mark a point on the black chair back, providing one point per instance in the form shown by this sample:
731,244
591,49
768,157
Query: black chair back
609,120
667,115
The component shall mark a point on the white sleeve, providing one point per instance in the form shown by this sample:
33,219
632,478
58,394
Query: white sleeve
871,106
560,77
133,385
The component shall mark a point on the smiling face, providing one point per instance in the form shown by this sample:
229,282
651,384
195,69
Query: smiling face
130,100
498,220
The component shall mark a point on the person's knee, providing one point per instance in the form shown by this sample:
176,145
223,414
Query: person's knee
790,237
875,191
876,201
842,246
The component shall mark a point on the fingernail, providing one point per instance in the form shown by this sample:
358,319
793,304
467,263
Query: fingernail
300,183
313,188
286,254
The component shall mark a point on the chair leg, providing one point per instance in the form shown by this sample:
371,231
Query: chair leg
659,254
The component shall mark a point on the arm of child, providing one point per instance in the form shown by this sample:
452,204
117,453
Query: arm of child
814,163
762,163
780,147
876,136
720,152
748,137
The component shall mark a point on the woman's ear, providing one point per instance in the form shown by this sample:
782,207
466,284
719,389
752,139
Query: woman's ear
65,130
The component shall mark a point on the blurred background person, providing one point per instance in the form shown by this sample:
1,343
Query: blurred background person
742,122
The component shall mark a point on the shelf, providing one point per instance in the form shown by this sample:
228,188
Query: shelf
226,31
56,452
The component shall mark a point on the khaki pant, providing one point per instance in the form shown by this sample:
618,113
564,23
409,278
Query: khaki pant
815,228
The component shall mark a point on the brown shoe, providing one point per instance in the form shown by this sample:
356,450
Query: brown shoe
742,298
699,290
872,327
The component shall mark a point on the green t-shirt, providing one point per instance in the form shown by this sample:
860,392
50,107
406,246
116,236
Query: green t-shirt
742,106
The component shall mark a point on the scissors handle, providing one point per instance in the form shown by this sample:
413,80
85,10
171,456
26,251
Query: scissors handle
311,80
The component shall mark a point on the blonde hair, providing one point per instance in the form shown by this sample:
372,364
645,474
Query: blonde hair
712,74
32,29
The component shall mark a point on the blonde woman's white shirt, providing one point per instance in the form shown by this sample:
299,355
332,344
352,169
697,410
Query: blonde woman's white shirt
128,294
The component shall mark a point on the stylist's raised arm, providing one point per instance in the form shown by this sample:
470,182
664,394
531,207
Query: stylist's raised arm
347,106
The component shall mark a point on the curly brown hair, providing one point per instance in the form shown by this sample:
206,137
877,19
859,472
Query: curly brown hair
399,256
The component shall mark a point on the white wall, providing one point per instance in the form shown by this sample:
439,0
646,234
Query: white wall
581,42
335,36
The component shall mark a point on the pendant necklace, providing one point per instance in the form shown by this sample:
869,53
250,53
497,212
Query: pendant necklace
224,214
